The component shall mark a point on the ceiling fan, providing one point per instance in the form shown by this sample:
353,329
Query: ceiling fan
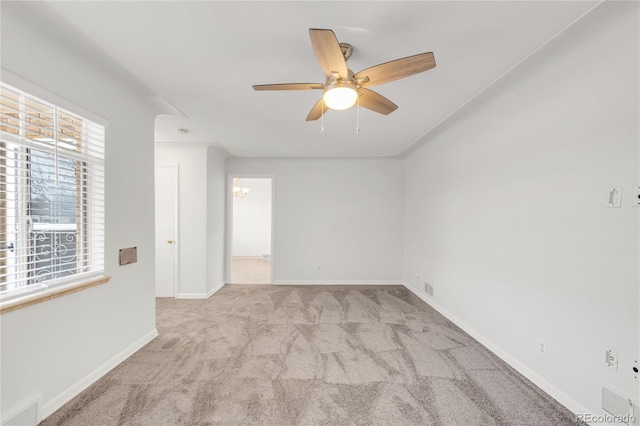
343,87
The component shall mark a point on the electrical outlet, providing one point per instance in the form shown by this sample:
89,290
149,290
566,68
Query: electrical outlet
611,359
615,196
634,369
542,347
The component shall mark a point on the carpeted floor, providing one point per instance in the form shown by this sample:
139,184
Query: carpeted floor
313,355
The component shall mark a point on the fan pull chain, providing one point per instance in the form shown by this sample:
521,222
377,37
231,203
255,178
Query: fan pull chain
358,117
322,119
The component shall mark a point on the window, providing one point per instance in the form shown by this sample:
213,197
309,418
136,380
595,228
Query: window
51,194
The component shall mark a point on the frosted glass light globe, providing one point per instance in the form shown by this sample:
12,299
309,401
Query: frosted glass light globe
340,96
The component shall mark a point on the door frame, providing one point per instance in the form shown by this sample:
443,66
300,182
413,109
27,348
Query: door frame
229,230
176,224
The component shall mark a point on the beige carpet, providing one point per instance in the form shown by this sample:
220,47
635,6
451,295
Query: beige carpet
333,355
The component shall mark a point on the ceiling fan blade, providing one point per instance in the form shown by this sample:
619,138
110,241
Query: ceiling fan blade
288,86
375,101
317,110
328,52
393,70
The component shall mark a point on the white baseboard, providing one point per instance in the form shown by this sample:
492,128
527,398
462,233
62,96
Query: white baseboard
191,296
564,399
336,282
215,289
200,295
58,401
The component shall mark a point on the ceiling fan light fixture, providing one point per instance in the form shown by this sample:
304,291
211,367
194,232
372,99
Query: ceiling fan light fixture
343,88
340,95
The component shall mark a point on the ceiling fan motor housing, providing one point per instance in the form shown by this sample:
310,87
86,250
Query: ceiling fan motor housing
336,78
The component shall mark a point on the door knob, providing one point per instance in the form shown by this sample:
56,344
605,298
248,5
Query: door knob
170,241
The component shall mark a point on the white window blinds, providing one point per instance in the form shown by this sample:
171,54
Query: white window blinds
51,193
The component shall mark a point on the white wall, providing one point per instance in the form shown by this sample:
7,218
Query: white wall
216,185
505,211
252,219
344,215
57,347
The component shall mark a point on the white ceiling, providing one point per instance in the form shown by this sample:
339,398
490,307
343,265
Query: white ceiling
203,57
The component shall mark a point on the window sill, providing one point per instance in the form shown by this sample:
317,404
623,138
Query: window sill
51,293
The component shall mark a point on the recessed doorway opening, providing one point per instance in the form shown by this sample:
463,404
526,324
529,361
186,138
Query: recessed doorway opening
251,234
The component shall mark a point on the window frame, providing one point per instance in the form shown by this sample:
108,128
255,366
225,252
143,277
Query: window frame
38,292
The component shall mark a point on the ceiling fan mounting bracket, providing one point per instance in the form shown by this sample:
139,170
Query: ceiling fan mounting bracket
347,50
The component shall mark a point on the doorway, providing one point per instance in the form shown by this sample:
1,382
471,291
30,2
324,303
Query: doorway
166,191
251,230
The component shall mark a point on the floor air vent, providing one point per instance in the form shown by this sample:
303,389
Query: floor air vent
25,415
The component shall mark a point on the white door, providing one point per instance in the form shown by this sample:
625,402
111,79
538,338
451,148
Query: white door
166,185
